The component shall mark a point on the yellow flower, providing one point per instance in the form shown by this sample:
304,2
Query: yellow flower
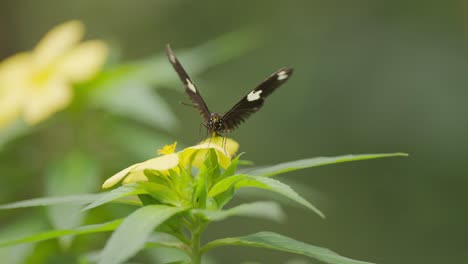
192,156
36,84
225,148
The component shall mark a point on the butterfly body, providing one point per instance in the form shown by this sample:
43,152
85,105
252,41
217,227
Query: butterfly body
215,124
219,124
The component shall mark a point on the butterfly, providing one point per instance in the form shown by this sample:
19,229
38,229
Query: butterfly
219,124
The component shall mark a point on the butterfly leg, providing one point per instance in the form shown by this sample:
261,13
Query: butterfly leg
199,130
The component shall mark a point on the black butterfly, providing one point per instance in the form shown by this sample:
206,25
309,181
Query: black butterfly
219,124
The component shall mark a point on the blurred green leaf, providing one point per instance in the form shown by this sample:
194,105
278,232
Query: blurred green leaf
275,241
74,173
136,140
132,234
45,201
157,70
265,210
315,162
104,227
242,180
138,102
12,131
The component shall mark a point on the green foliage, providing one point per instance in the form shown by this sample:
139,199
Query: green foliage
187,199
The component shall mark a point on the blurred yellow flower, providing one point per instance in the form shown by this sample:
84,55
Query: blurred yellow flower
191,156
36,84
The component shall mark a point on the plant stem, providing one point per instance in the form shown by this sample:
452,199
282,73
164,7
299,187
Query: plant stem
196,254
198,227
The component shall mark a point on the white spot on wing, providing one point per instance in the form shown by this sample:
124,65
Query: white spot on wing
282,75
254,95
191,86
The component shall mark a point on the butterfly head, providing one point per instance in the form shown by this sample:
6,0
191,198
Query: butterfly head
215,124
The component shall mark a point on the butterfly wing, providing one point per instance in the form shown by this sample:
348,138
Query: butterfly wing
190,88
253,101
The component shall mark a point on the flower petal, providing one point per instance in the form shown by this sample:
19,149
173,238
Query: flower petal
118,177
83,61
135,173
135,176
57,42
161,163
200,151
15,67
45,99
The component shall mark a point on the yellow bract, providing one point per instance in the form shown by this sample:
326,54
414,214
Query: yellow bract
36,84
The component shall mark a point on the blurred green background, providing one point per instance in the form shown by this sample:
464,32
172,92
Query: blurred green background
370,77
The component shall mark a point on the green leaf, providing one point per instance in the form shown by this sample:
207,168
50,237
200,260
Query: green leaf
231,170
266,210
45,201
164,240
315,162
161,193
122,191
223,198
242,180
279,242
104,227
183,184
207,172
132,234
163,254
